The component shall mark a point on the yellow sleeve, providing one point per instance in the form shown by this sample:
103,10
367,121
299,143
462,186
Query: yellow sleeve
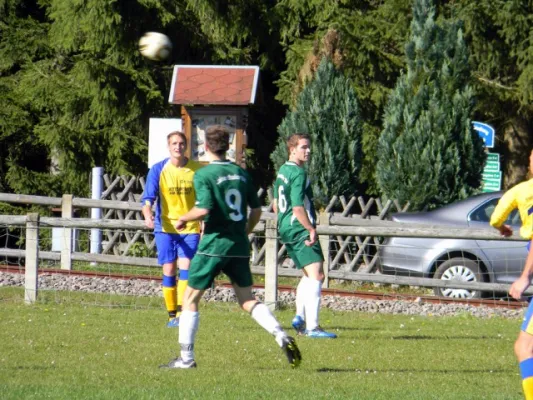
504,207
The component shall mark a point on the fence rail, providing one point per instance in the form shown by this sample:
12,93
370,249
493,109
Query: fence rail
271,268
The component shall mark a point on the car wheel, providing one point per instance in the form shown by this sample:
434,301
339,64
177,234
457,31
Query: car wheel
461,270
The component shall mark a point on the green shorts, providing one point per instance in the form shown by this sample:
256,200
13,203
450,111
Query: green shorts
204,269
303,255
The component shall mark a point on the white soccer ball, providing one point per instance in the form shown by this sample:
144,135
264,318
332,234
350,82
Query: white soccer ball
155,46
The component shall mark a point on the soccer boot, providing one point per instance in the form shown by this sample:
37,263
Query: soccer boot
298,324
173,322
320,333
180,364
291,350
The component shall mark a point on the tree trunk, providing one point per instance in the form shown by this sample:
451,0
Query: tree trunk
517,147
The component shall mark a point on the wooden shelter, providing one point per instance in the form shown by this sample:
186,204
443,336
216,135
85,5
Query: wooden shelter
213,95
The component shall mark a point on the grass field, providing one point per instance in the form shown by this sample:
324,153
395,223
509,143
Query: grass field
73,351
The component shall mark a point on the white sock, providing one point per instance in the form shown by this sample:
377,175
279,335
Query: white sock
266,319
312,303
300,297
187,332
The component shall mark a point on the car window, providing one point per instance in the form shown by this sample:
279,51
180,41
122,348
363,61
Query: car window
513,218
484,212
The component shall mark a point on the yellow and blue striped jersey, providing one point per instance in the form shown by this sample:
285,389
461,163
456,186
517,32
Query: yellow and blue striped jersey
521,197
171,189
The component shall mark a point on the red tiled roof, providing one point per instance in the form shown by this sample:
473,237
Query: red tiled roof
214,84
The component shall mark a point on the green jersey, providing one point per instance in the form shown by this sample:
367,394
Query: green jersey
226,190
292,188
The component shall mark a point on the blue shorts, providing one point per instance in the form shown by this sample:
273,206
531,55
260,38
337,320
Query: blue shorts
171,246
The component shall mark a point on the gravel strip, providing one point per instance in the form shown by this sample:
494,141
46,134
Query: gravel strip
133,287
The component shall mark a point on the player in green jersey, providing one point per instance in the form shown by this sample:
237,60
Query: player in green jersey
293,203
224,191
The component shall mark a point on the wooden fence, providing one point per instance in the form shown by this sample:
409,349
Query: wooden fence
351,253
331,226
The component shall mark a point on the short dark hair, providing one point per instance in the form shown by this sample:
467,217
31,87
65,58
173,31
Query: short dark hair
177,133
293,140
217,139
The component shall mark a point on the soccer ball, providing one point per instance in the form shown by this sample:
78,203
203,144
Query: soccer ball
155,46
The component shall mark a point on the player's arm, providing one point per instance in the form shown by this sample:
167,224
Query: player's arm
504,207
522,283
204,203
253,202
194,214
150,195
301,215
298,210
275,201
148,215
253,219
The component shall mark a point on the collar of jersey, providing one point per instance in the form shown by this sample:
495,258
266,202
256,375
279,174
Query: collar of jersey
186,166
292,163
221,162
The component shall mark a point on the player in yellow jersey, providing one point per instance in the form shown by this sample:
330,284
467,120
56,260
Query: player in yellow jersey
169,186
521,197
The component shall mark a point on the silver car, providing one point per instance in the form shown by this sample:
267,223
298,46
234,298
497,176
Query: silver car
456,259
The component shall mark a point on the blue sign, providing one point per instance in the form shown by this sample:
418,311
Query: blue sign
486,132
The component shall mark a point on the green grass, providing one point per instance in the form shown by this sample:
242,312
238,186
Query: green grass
63,349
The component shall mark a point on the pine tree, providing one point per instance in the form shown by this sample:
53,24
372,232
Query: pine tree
428,153
327,110
77,92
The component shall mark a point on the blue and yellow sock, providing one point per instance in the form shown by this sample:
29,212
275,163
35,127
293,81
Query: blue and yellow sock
182,284
170,295
526,370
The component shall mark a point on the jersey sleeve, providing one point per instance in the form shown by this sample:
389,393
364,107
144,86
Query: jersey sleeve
504,207
151,187
204,196
298,189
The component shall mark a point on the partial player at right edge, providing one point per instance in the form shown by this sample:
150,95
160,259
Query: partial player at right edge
293,203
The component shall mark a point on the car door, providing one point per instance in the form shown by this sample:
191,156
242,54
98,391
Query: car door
506,258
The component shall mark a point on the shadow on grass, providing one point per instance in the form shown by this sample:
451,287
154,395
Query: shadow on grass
33,367
407,370
421,337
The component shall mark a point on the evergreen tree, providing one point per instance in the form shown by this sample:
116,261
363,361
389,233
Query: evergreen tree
78,94
428,153
327,110
498,33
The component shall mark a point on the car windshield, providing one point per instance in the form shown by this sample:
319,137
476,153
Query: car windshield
483,213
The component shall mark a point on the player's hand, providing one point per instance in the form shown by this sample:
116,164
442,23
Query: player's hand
180,225
149,222
312,238
506,230
519,286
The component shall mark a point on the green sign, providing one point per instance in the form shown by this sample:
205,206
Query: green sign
491,186
493,157
492,166
492,176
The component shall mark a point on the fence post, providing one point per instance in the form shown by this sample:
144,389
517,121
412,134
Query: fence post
271,264
324,245
32,258
66,248
96,213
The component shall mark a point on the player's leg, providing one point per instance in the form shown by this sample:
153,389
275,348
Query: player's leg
166,256
188,328
202,272
524,353
310,260
298,322
241,278
188,244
